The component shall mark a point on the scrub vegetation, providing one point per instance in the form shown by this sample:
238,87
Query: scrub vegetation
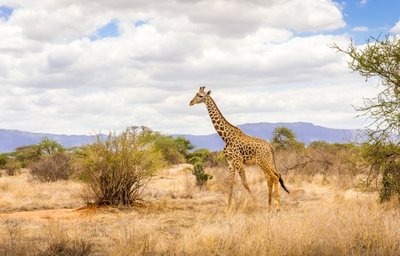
125,198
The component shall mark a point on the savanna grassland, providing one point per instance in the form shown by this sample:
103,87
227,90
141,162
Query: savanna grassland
98,199
323,215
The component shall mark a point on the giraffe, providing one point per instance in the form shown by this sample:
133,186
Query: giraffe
241,149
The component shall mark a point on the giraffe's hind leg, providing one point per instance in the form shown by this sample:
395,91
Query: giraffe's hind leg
270,185
272,181
276,193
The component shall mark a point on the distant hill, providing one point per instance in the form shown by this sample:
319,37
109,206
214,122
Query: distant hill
11,139
305,132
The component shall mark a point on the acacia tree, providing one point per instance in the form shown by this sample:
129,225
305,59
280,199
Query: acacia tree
285,138
381,58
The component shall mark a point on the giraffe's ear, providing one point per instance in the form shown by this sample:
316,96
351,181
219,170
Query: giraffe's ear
209,92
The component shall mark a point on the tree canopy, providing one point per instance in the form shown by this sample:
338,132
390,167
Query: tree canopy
379,58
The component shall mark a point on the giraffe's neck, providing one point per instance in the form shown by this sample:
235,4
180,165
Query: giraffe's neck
225,130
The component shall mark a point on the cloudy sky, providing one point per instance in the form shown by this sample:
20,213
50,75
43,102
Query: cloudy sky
78,67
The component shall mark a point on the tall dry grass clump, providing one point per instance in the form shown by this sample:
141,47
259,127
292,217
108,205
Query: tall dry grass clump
55,241
12,243
330,231
118,167
358,226
25,193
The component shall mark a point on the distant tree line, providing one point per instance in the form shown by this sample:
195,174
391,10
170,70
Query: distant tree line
118,166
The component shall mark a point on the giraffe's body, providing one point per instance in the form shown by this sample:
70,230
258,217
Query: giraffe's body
241,149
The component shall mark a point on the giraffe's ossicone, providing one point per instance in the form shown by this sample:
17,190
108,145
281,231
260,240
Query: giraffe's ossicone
241,149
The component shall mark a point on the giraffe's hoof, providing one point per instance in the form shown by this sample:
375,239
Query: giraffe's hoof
274,209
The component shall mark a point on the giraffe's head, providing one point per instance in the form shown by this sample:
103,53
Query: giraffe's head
200,97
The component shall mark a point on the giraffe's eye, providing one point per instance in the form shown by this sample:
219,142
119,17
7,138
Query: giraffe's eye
201,96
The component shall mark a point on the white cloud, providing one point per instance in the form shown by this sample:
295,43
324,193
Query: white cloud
66,20
59,25
360,29
396,28
55,79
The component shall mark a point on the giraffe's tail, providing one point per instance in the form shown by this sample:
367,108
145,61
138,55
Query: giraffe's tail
280,178
283,184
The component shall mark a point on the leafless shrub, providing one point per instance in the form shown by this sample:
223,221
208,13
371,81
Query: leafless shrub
53,167
344,161
323,158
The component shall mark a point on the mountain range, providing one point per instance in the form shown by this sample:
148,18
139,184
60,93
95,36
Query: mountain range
305,132
11,139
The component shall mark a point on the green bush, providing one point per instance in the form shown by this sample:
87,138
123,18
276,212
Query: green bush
169,150
385,159
201,176
174,150
27,154
199,159
202,153
3,160
183,146
49,147
118,167
209,159
390,181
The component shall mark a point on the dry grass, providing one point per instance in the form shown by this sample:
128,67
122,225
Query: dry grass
318,218
23,193
53,241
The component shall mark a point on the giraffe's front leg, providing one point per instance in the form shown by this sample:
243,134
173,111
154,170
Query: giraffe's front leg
240,169
231,181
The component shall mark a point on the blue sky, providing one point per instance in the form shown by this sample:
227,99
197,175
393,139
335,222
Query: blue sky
111,29
5,12
367,18
376,15
106,65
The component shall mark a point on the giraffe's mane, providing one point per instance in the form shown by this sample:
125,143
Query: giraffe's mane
223,117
